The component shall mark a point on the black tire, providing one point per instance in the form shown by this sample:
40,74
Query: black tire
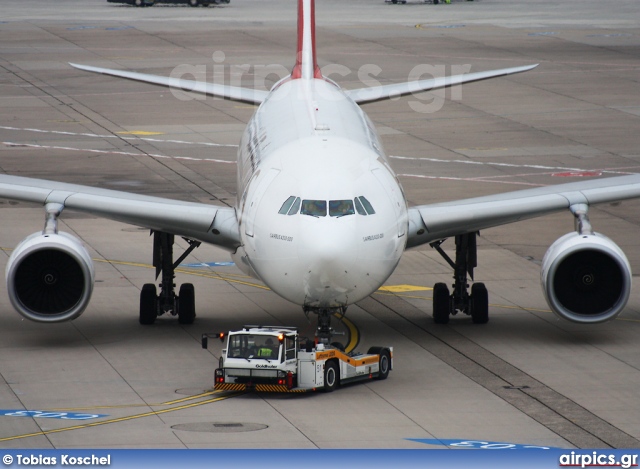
479,304
384,364
148,304
441,303
186,304
338,345
331,376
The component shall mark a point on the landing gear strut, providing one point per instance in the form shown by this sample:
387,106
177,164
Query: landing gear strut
153,305
324,331
475,304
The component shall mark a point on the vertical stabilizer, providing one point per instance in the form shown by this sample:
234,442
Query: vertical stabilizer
306,65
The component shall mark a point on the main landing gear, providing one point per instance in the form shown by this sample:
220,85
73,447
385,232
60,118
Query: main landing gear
475,304
153,305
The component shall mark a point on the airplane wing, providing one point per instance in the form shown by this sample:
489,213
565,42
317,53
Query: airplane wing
428,223
235,93
211,224
361,95
379,93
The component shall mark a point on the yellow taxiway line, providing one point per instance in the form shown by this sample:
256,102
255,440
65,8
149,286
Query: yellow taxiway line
120,419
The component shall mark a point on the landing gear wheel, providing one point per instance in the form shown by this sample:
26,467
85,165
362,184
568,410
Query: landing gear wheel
479,304
138,3
186,304
148,304
330,377
338,345
384,364
194,3
441,303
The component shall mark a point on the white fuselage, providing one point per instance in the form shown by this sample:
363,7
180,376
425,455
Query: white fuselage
309,144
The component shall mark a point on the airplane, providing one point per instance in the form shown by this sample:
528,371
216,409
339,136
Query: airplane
320,217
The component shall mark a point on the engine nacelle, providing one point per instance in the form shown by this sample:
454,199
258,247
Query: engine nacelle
50,277
586,278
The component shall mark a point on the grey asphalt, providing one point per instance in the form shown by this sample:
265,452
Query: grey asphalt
525,378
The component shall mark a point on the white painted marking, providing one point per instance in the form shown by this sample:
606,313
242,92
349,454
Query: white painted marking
511,165
78,134
448,178
113,152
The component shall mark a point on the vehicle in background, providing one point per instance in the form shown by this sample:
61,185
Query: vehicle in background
150,3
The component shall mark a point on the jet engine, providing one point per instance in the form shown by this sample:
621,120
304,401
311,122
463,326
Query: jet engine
586,278
50,277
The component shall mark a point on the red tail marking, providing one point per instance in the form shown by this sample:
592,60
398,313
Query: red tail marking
297,69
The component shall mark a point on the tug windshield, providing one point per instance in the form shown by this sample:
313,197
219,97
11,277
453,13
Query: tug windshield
254,346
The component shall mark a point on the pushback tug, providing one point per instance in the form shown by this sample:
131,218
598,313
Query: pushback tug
277,359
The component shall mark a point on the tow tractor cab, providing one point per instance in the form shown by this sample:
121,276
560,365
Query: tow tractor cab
276,359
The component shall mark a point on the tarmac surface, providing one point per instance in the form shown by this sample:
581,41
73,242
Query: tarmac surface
525,378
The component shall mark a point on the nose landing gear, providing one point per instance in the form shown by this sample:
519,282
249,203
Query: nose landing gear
324,331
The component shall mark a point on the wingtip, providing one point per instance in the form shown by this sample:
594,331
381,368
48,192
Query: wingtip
78,66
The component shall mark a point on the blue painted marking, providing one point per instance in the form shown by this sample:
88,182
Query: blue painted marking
44,414
118,28
546,33
449,26
76,28
208,264
473,444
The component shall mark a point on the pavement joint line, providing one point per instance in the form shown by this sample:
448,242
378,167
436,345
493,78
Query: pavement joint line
480,365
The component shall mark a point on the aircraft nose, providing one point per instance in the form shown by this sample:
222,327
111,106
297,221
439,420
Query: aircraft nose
331,256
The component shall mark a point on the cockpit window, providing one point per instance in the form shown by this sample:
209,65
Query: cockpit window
367,205
290,206
286,205
315,208
295,207
318,208
340,208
